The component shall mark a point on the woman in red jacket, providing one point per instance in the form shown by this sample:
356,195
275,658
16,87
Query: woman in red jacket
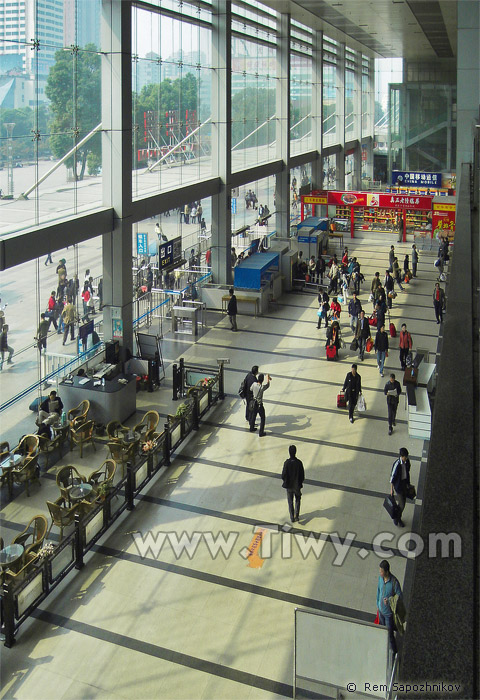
405,344
336,309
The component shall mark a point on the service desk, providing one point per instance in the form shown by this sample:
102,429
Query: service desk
114,401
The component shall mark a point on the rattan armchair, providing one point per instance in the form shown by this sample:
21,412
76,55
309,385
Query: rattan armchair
104,474
82,435
37,530
4,449
48,447
122,453
27,473
148,423
61,516
78,415
66,478
116,431
27,446
19,570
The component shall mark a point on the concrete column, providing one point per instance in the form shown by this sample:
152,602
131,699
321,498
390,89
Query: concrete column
282,180
317,110
468,80
222,140
116,33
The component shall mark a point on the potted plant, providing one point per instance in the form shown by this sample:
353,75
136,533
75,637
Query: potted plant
103,490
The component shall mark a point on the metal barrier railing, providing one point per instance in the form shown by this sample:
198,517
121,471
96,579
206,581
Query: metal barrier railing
20,599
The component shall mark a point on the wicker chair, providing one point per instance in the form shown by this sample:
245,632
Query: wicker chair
82,435
27,472
121,453
48,447
4,449
66,478
149,422
78,415
28,446
37,530
21,568
116,431
103,475
61,516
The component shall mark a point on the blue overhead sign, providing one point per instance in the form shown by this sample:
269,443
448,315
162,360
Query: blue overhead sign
142,243
416,179
234,205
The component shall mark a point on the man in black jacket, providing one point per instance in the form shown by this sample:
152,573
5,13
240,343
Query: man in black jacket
399,482
248,381
389,288
392,391
354,309
232,309
352,386
362,333
293,475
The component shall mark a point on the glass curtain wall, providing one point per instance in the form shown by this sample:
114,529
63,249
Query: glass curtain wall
301,75
350,95
49,111
171,96
253,85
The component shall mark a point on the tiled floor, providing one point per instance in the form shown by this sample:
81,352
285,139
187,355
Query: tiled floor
196,626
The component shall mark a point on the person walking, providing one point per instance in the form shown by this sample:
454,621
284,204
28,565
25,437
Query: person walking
86,301
376,284
391,258
354,310
389,288
392,391
323,309
352,386
396,273
51,311
388,586
405,344
438,302
414,260
362,333
232,309
68,316
42,332
5,347
250,378
293,476
381,347
49,259
320,269
336,309
380,298
406,266
258,389
333,274
399,483
380,315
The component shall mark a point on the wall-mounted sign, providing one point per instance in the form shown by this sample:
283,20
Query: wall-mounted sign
443,218
170,253
117,328
142,243
416,179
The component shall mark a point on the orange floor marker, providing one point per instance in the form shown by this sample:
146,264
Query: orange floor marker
254,560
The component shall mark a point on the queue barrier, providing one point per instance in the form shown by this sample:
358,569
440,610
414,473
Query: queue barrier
19,600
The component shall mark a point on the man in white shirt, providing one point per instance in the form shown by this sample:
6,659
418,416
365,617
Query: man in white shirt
258,388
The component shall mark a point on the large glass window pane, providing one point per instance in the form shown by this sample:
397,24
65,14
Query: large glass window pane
253,103
349,104
54,102
300,104
171,83
329,104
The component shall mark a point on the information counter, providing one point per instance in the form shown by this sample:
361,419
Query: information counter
114,401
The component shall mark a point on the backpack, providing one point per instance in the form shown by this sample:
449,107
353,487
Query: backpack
242,392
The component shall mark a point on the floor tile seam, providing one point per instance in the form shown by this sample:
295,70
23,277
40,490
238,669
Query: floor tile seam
236,584
317,339
398,303
256,522
299,320
314,307
169,655
260,472
313,441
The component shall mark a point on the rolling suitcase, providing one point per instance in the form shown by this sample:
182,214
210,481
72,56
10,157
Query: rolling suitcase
341,400
331,352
